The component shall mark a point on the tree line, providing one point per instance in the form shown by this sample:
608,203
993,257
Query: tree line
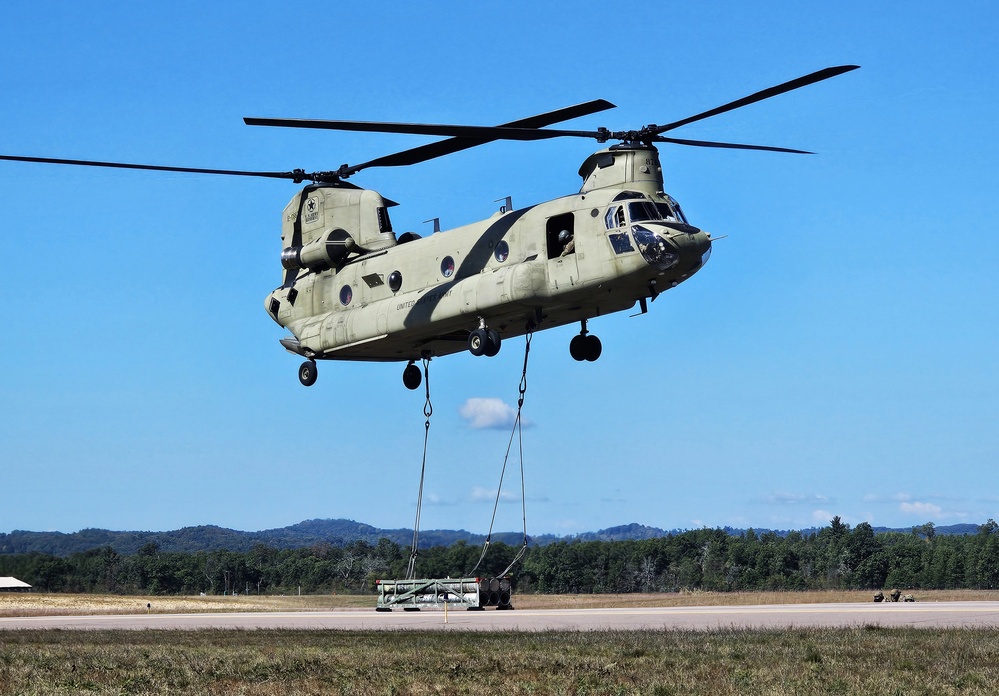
834,557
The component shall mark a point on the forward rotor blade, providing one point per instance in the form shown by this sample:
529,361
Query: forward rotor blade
457,144
295,175
524,129
730,146
803,81
388,127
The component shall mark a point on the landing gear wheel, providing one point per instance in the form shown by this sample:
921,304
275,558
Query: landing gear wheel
585,347
308,373
412,377
477,342
591,347
493,342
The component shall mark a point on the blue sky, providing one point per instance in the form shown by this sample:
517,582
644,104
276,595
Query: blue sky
837,356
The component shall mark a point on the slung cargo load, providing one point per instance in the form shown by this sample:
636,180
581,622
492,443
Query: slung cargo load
471,593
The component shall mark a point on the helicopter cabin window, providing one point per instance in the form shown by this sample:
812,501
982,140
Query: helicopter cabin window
447,267
346,295
502,251
560,235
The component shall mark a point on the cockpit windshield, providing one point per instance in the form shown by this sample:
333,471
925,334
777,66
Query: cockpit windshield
640,211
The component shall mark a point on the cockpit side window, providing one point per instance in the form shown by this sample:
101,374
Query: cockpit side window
618,237
670,210
611,218
620,242
679,213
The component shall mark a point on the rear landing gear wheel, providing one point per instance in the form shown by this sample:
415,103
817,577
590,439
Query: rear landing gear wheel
412,377
308,373
577,347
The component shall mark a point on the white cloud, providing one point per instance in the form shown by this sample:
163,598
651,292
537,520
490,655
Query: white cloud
918,508
569,526
434,499
488,413
822,516
784,498
480,494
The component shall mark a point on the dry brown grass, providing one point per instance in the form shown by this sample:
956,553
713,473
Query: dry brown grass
705,599
866,660
41,604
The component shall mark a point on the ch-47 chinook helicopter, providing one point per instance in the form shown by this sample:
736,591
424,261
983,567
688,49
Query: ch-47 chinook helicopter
353,290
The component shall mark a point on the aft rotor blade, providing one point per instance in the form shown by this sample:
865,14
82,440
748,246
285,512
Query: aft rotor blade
730,146
803,81
295,175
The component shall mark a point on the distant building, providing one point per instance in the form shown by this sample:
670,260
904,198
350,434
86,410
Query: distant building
13,585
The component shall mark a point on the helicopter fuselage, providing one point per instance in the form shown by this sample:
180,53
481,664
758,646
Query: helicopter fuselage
353,290
365,295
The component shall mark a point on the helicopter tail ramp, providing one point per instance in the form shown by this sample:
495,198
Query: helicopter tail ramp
471,593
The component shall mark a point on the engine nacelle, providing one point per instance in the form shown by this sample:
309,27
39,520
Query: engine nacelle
326,252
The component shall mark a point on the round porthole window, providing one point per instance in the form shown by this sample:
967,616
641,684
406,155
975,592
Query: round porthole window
395,281
502,251
447,267
346,295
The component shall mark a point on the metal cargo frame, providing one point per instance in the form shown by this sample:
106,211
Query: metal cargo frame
471,593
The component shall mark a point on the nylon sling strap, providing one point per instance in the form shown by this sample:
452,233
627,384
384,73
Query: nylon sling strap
518,431
428,410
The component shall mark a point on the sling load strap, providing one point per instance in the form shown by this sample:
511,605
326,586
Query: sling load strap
518,431
428,410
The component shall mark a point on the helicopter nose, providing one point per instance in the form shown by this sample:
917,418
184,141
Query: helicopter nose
703,245
695,250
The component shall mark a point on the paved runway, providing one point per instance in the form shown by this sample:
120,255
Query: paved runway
920,615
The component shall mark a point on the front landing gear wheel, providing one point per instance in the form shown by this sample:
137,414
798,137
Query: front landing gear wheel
308,373
585,347
493,342
477,342
412,377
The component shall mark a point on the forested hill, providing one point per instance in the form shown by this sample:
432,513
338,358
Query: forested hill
338,532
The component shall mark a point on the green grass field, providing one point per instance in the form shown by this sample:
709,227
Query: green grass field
846,661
